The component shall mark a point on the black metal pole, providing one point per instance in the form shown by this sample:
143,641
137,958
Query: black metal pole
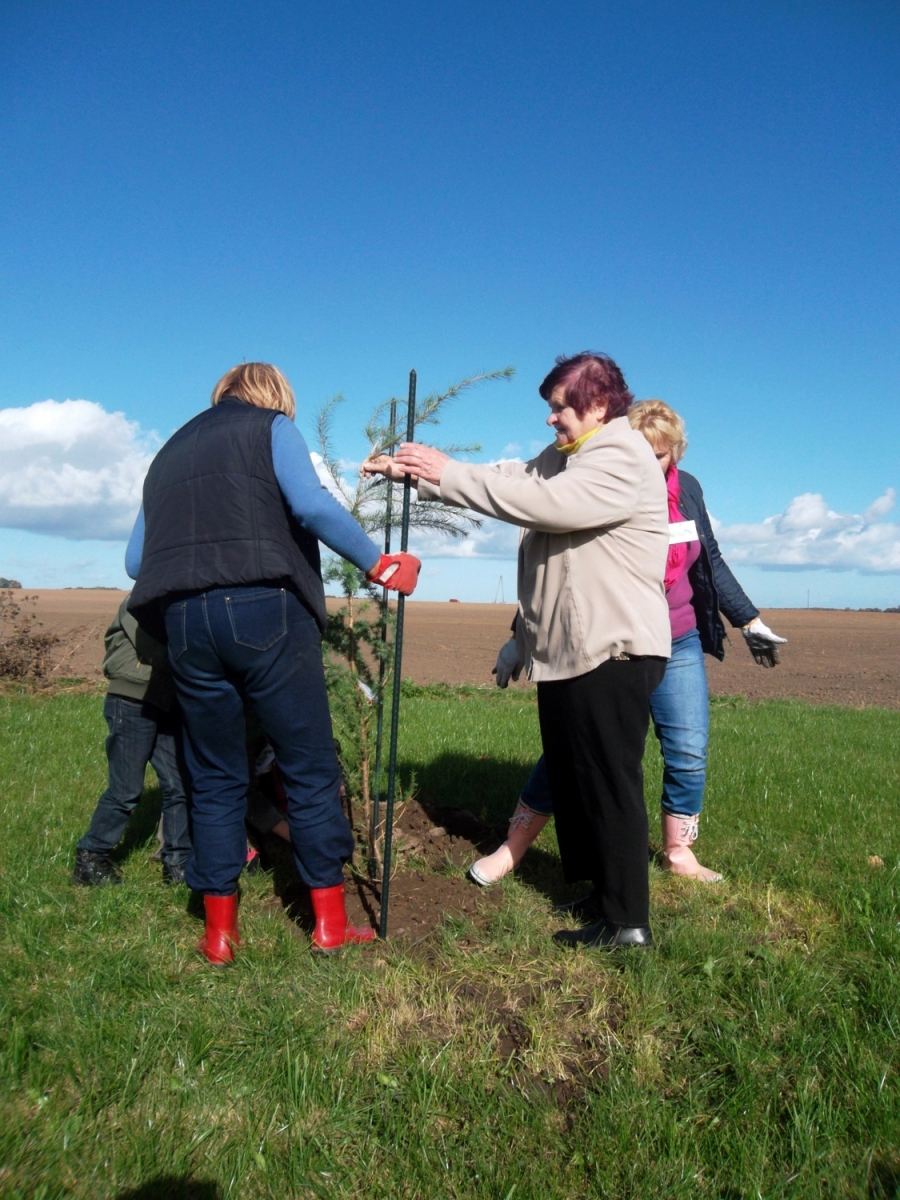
398,658
382,665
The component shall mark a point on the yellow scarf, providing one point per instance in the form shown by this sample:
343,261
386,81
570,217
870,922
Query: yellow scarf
573,447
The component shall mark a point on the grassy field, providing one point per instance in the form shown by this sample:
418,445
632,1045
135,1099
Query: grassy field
753,1053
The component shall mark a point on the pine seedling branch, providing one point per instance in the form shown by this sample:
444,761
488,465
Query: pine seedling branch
357,654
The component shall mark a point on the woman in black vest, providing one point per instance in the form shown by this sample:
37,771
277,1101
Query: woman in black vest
225,554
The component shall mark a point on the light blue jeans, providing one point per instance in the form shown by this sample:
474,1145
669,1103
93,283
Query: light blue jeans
680,710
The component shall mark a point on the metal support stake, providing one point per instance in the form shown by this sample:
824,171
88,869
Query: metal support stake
382,665
398,657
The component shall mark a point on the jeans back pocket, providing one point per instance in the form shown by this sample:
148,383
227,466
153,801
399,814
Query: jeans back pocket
258,616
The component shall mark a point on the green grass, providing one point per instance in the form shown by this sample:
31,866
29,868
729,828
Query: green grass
753,1053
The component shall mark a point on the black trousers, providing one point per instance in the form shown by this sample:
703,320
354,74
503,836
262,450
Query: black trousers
594,728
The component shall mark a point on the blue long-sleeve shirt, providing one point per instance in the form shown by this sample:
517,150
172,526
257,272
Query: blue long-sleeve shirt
312,504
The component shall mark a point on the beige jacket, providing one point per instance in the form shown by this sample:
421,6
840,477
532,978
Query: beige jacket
592,555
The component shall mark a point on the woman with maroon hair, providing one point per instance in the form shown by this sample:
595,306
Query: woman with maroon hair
592,627
699,586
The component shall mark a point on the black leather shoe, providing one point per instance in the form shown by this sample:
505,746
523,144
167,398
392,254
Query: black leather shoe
588,908
92,869
606,936
173,872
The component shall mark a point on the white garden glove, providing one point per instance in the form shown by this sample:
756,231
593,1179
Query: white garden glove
508,665
762,642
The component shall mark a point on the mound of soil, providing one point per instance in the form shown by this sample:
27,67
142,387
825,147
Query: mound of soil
432,848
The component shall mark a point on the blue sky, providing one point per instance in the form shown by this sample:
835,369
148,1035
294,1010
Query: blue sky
707,192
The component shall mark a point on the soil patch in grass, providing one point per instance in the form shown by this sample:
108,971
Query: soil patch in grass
547,1037
432,848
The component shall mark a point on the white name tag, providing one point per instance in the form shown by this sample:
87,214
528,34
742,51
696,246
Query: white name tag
682,531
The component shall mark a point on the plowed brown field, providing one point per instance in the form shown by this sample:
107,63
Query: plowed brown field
832,657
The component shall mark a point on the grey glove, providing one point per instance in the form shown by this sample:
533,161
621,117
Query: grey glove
508,665
762,642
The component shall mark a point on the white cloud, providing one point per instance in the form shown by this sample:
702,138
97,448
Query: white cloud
495,539
808,534
72,469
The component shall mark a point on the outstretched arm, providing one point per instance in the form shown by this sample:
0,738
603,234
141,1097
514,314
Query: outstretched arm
318,511
590,494
734,602
426,465
312,504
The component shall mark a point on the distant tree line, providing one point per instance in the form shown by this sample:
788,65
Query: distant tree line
9,583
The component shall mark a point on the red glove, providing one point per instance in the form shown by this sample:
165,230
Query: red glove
397,571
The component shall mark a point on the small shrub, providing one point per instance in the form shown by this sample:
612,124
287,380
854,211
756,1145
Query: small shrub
24,644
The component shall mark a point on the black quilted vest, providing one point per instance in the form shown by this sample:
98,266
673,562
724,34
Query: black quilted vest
214,516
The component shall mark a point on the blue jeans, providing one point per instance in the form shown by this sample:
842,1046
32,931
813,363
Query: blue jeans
261,644
680,710
536,792
140,733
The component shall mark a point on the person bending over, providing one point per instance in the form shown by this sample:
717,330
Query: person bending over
225,553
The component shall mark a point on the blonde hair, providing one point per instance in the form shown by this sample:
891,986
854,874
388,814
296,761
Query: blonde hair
257,383
659,423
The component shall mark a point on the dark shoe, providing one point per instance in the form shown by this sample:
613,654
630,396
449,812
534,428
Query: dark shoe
92,869
588,908
173,872
606,936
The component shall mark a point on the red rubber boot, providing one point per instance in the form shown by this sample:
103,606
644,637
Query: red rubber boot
333,930
221,938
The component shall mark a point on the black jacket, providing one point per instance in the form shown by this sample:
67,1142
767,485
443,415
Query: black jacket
215,516
715,588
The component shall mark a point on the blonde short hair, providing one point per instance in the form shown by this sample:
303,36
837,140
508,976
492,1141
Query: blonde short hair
257,383
659,423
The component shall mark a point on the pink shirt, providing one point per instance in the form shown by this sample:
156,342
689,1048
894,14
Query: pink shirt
681,611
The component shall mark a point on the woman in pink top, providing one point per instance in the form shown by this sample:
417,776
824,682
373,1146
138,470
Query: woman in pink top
699,586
